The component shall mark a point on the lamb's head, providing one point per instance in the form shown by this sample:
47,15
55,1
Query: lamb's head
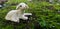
22,6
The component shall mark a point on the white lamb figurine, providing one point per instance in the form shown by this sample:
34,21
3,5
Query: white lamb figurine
14,15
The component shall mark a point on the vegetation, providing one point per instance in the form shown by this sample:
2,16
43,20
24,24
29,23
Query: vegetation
48,15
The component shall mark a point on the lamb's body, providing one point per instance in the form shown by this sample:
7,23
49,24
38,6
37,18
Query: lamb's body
14,15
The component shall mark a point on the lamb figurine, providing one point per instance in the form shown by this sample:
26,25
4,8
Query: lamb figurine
14,15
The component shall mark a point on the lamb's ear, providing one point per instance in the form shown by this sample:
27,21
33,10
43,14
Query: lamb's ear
27,6
17,7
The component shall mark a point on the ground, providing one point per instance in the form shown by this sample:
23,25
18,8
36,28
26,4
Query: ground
48,15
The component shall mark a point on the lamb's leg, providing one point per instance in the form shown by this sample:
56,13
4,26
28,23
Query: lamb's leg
24,17
15,19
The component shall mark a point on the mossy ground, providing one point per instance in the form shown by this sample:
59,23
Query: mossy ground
47,15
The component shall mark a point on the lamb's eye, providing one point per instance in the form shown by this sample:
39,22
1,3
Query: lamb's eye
20,5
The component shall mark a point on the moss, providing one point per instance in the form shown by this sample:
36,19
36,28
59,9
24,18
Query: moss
47,15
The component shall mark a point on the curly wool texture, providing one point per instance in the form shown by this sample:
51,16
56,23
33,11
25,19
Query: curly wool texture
14,15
